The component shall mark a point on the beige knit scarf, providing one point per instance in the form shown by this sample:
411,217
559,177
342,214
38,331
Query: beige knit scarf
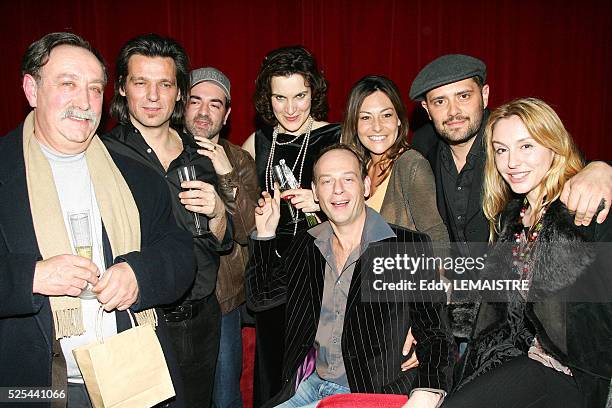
117,207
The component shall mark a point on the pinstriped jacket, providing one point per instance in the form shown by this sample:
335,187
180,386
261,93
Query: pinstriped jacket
373,333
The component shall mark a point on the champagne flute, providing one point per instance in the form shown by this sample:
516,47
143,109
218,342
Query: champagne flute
187,173
80,229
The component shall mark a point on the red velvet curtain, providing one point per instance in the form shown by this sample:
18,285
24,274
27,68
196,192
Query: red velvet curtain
559,51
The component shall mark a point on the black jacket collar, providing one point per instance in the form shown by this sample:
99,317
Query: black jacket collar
12,163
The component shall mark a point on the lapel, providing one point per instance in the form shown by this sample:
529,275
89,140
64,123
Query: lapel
354,294
15,215
16,227
312,280
318,270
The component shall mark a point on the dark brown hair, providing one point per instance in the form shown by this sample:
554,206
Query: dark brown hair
285,62
362,89
37,54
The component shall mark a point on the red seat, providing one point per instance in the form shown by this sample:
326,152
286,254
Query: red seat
363,401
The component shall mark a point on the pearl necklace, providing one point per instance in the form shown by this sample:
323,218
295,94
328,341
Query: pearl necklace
302,153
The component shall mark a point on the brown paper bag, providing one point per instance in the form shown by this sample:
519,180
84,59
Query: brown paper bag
125,370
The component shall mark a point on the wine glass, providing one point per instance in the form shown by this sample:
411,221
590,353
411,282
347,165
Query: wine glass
80,229
187,173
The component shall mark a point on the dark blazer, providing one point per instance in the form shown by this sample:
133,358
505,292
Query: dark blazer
569,305
164,268
374,332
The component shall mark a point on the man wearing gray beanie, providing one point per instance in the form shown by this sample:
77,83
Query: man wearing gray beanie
207,111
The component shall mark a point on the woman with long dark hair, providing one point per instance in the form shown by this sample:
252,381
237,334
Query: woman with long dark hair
403,186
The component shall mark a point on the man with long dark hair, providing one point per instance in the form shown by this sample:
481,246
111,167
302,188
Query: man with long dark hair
151,88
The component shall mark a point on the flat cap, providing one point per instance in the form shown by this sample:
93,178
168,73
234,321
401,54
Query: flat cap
210,74
446,70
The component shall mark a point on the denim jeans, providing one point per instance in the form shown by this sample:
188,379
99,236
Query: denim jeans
226,392
312,391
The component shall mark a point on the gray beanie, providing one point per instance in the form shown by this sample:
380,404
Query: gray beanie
210,74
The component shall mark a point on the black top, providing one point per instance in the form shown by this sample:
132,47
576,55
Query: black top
127,140
319,139
458,195
568,306
458,186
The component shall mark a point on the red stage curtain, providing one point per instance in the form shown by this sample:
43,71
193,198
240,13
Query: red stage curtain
557,50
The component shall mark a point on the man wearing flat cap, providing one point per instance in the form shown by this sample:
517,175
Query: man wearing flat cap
151,89
453,91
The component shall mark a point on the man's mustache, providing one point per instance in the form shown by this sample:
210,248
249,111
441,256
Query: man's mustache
203,118
456,118
79,114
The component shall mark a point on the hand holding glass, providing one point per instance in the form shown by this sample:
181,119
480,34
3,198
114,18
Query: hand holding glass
187,173
287,181
80,229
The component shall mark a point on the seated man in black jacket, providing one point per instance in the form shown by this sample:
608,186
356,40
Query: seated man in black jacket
358,343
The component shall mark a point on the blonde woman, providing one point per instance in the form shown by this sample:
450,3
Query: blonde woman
549,343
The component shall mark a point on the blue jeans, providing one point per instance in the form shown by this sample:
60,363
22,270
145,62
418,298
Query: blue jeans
226,392
313,390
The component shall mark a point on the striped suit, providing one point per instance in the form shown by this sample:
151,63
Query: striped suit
374,332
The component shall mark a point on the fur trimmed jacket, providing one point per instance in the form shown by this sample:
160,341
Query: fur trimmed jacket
568,306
